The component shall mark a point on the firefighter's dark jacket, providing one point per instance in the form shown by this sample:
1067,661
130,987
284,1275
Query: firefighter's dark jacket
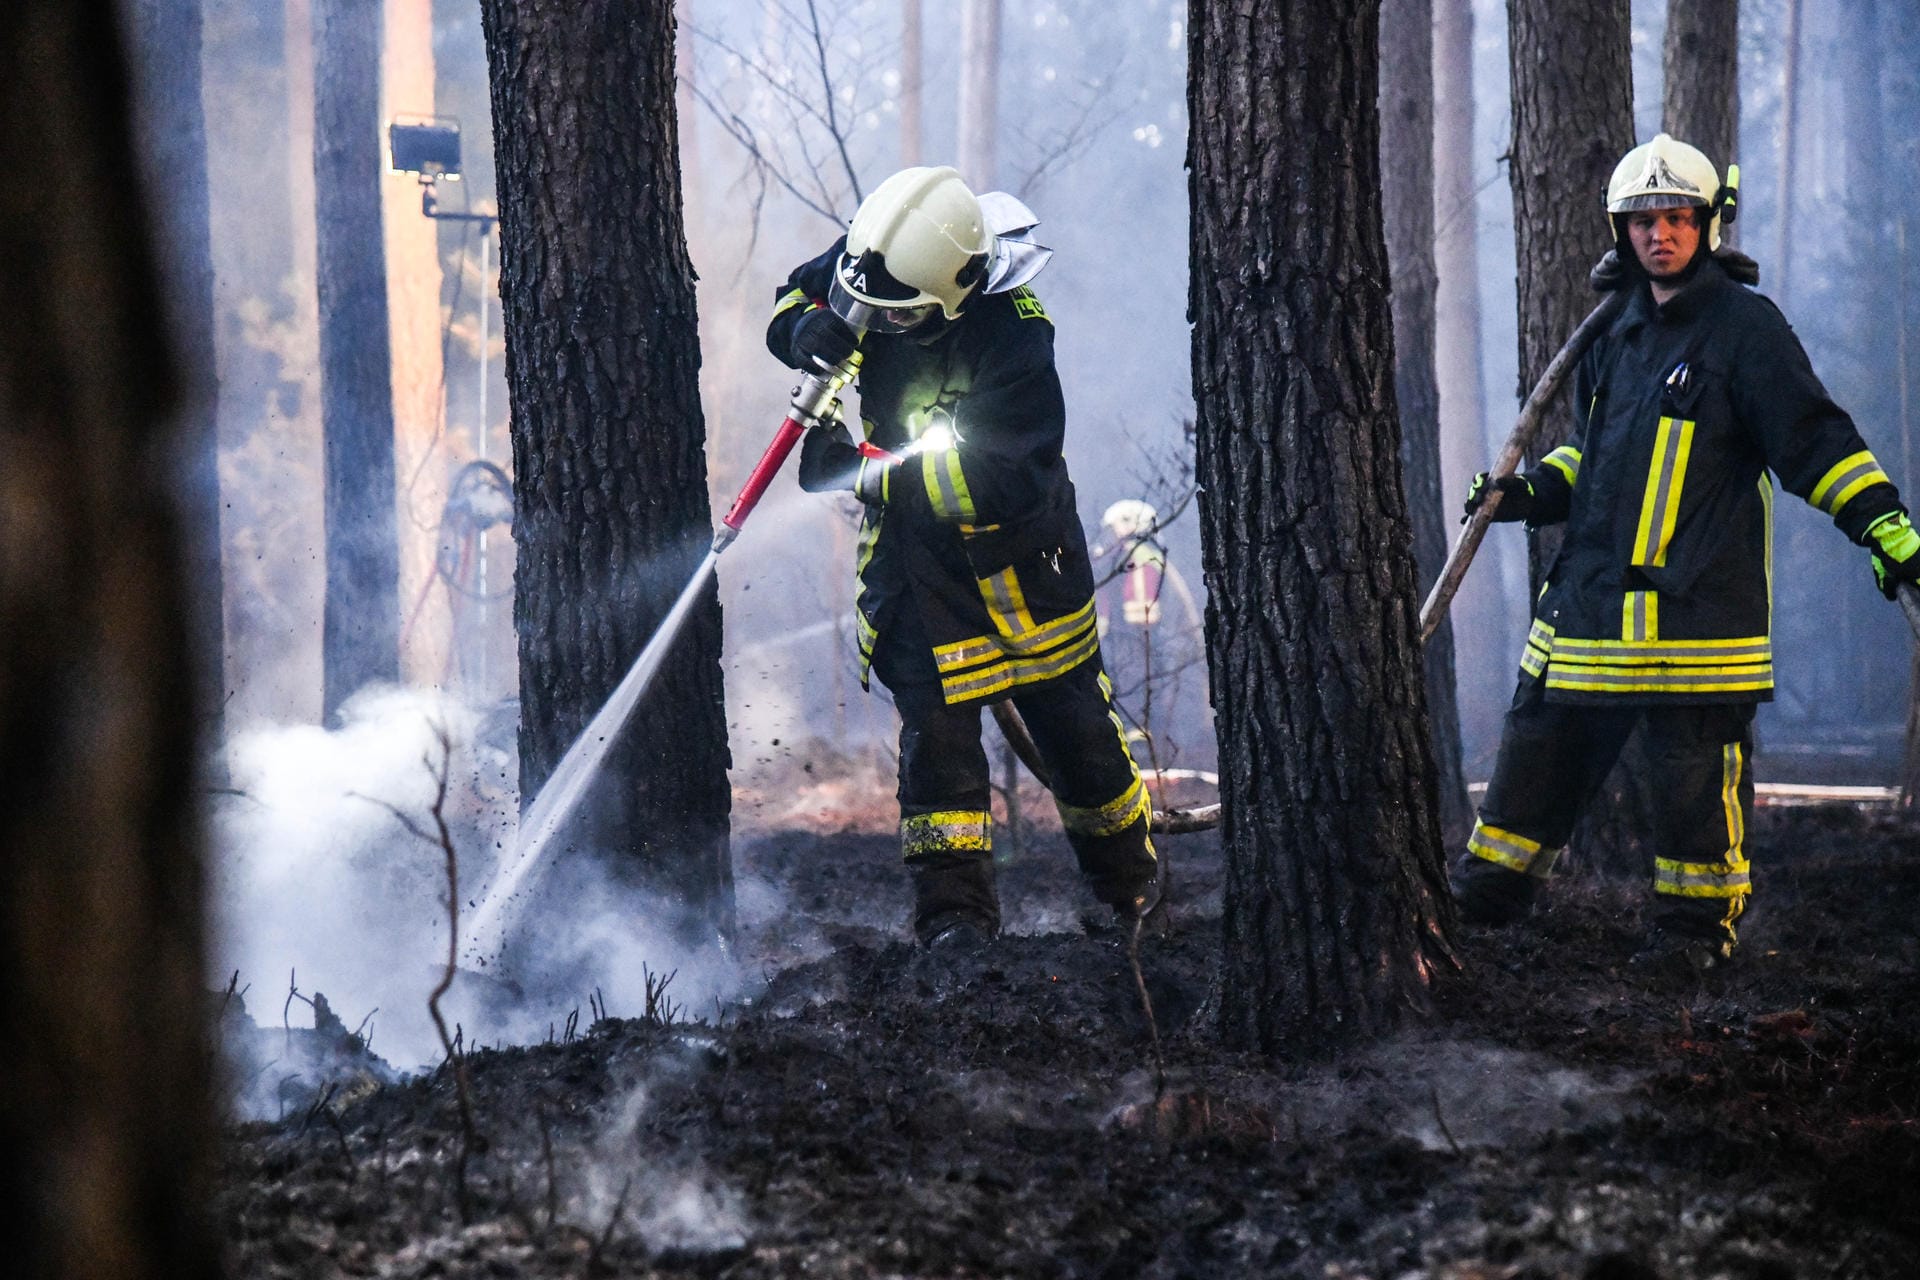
982,539
1662,590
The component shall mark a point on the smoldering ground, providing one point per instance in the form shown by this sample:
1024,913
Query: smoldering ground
874,1110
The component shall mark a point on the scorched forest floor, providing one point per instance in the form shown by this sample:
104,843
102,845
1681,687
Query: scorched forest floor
872,1110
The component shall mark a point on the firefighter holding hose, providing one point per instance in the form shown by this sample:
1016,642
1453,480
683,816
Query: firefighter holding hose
1657,609
974,579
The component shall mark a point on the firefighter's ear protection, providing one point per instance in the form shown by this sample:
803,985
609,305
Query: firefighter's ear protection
972,272
1726,201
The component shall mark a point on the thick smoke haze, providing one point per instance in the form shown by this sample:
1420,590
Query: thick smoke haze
1092,130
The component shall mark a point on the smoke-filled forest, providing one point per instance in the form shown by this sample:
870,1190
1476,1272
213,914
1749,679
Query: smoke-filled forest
758,638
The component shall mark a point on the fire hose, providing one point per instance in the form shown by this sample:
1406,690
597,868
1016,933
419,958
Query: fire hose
1532,414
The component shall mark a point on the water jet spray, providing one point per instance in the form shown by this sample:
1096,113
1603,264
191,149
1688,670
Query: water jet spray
815,400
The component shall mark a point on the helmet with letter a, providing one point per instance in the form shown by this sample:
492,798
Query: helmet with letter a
917,248
1669,174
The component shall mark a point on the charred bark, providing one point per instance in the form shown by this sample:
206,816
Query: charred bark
610,481
1701,69
361,627
1406,154
1336,910
106,1122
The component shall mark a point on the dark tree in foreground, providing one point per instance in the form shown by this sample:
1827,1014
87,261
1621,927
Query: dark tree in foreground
1701,69
610,484
106,1125
165,38
1336,909
1406,154
361,637
1571,70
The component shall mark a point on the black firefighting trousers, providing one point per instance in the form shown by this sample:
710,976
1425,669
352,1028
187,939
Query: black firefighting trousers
946,833
1553,758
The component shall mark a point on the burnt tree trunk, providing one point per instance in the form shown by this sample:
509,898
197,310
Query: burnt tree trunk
1572,82
1406,154
1700,64
106,1122
1336,909
361,629
165,38
610,486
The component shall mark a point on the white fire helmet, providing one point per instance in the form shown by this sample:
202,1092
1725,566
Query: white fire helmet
918,243
1668,174
1129,518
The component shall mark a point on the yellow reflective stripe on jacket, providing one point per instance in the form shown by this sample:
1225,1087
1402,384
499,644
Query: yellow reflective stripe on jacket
1508,848
1533,660
970,830
1744,650
1639,616
1660,506
947,485
1565,460
1112,817
1004,674
1766,513
1584,678
789,300
966,653
1844,479
1007,604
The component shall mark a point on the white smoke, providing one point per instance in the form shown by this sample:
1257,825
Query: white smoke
317,877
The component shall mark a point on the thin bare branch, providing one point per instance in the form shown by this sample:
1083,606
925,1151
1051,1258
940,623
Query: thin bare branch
827,90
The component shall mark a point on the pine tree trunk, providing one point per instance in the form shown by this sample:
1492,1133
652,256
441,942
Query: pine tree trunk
979,105
1482,617
361,642
1789,151
912,72
1406,153
609,472
1701,70
1572,79
1335,903
106,1121
165,37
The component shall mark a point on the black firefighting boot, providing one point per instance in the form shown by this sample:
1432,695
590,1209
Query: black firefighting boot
1689,934
1489,893
954,902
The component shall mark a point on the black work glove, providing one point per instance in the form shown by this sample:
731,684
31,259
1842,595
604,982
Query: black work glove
828,458
822,339
1516,497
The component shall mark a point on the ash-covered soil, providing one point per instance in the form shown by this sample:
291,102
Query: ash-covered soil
873,1110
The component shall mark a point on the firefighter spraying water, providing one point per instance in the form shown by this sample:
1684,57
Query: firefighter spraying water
975,582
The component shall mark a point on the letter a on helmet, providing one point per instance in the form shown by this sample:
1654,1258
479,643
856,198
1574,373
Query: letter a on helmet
1669,174
920,241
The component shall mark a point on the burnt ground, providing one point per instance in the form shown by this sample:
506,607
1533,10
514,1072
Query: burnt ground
876,1111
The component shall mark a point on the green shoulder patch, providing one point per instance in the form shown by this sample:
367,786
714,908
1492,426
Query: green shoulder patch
1027,306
